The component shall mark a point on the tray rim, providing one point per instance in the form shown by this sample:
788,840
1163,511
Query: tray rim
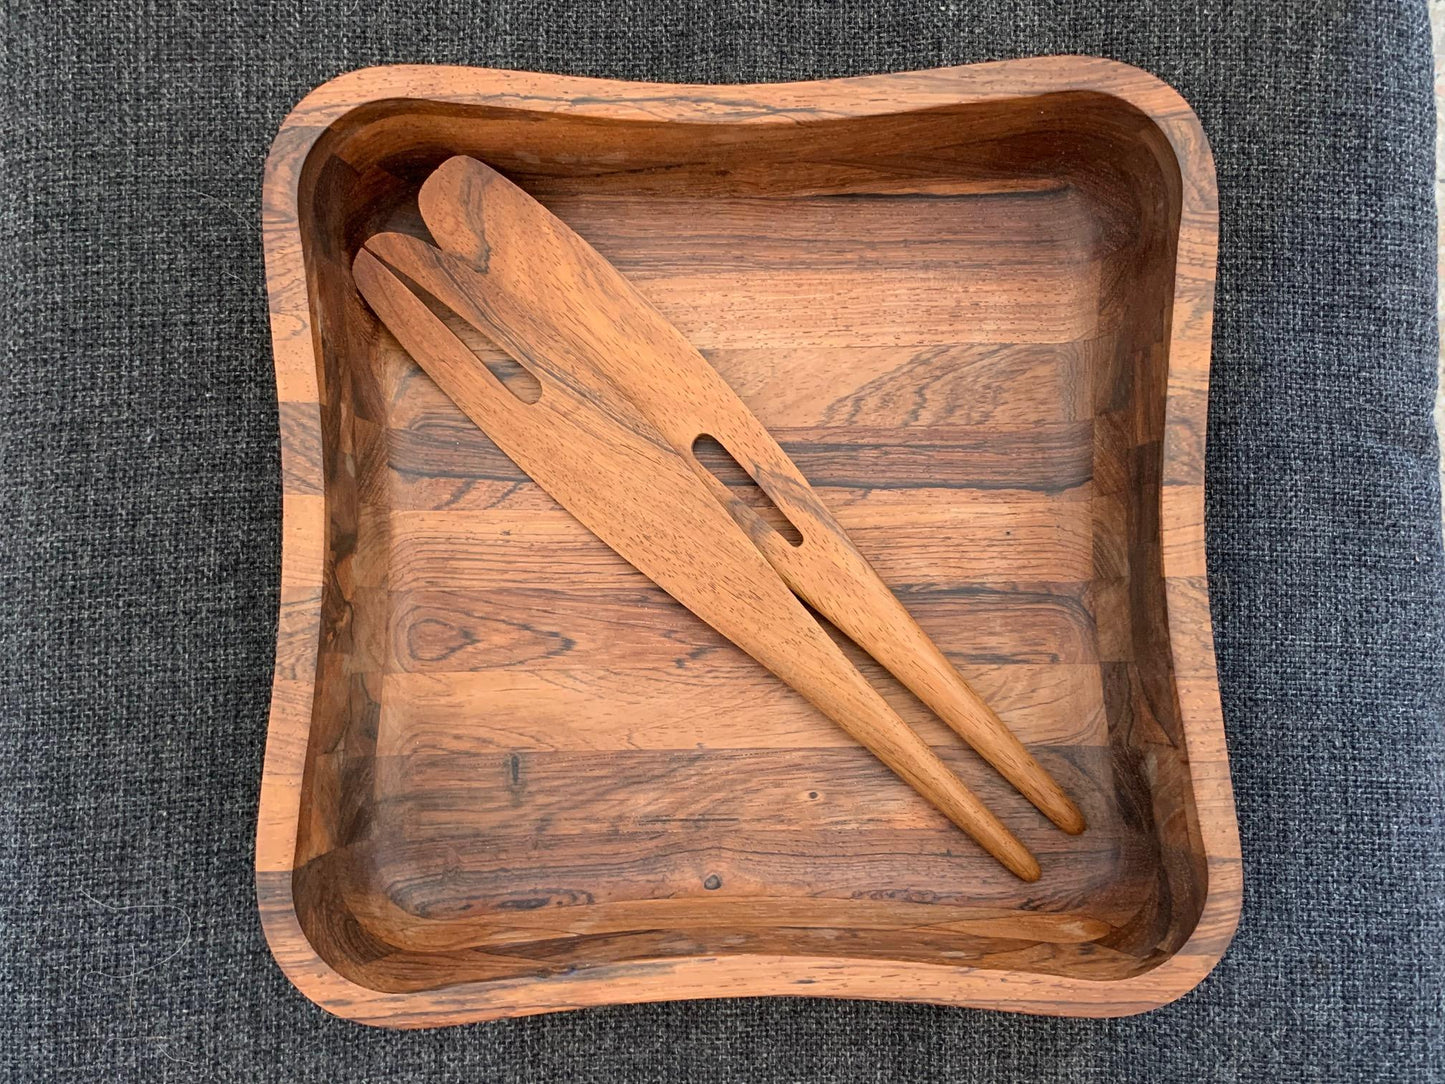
295,355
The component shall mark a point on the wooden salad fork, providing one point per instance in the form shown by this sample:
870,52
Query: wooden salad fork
624,401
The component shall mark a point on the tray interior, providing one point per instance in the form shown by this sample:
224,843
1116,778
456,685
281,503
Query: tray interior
525,758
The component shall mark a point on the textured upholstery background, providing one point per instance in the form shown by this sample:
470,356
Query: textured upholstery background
138,557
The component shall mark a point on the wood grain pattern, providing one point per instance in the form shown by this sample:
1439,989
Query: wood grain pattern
1025,444
620,419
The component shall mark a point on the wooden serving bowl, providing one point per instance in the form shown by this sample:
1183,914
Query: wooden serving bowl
506,774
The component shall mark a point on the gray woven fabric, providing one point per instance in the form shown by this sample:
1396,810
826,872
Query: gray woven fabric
139,559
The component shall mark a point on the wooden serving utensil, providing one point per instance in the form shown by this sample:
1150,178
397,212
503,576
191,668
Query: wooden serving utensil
624,400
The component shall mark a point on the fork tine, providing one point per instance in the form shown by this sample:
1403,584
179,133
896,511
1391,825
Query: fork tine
424,334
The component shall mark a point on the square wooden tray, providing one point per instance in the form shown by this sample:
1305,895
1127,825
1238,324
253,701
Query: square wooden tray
506,774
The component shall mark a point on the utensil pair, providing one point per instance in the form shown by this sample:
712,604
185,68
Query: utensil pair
624,402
